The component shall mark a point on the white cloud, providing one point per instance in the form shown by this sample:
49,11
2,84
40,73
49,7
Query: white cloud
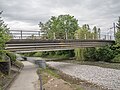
18,25
26,14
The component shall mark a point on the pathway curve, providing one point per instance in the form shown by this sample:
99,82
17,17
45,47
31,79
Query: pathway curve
27,78
105,77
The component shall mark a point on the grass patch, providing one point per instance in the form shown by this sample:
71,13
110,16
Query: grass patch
17,63
48,71
46,74
3,61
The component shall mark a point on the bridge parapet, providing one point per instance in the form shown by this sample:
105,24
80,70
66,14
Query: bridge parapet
47,45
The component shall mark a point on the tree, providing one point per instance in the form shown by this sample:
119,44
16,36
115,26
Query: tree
118,25
99,32
4,36
83,32
61,27
43,29
95,32
117,36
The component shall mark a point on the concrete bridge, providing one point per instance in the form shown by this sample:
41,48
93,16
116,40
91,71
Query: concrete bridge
30,45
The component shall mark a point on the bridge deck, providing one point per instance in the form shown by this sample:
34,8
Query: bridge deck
37,44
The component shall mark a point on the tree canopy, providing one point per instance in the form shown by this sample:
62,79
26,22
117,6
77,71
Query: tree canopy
4,36
61,27
117,37
85,32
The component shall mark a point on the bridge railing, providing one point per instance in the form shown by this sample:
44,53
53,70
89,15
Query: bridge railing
24,34
29,34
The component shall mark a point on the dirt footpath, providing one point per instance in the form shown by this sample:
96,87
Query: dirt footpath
57,84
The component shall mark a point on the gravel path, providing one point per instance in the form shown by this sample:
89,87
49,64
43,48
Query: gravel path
105,77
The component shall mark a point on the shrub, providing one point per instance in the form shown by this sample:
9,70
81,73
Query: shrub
99,54
11,55
38,54
116,59
104,54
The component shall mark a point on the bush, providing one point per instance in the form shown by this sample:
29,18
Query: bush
104,54
11,55
38,54
99,54
116,59
90,54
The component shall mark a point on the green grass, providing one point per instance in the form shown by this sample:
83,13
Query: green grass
18,63
52,73
46,74
49,71
3,61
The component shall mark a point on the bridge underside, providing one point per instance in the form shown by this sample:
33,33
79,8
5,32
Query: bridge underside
28,45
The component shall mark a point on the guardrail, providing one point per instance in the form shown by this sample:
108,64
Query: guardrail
30,34
24,34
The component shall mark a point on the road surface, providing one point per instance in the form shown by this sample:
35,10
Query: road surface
27,78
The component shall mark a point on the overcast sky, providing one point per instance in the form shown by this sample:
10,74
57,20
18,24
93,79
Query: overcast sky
26,14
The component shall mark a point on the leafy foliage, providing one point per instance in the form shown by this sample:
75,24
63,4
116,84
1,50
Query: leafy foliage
11,55
79,53
99,54
117,37
60,26
55,54
118,25
85,33
4,37
116,59
90,54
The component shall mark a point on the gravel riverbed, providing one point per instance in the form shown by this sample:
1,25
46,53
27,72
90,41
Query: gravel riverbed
104,77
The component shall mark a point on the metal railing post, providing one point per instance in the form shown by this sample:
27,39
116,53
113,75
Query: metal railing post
105,37
40,78
39,33
21,34
99,36
110,37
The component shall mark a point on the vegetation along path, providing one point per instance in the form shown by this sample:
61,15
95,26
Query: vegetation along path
104,77
27,78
